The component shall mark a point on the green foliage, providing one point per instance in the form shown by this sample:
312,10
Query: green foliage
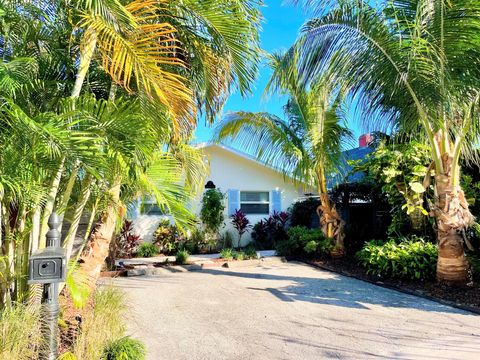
77,285
101,326
146,250
181,257
302,212
211,213
400,171
267,232
411,259
474,261
239,255
227,253
250,252
168,237
302,241
20,329
124,348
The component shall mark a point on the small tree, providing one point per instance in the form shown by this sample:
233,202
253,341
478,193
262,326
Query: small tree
241,223
211,213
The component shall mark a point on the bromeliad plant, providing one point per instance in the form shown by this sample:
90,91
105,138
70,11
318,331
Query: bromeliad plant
241,223
412,61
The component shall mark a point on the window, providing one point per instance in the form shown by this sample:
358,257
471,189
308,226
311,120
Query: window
255,202
149,207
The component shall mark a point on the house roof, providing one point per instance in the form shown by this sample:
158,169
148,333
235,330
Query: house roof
246,157
343,166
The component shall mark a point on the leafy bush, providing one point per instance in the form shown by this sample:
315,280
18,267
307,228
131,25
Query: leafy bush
411,259
302,241
474,261
168,237
250,252
227,253
211,213
126,242
146,250
239,255
266,233
125,348
181,257
303,213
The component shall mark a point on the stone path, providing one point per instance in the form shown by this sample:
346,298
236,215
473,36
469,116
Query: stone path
290,311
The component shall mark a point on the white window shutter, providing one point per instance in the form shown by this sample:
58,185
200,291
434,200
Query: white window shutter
276,200
233,201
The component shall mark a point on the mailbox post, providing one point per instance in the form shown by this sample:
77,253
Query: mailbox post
49,267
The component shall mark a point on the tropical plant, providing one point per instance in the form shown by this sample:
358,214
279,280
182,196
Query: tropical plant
400,170
267,232
124,348
146,250
412,259
181,257
241,223
168,238
212,209
250,252
126,242
227,254
304,242
412,62
302,212
306,146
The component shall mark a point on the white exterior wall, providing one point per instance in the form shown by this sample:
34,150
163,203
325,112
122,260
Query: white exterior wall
229,170
232,170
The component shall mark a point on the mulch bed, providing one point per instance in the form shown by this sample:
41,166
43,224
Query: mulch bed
467,298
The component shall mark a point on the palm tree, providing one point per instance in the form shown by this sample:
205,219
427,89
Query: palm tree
417,62
306,146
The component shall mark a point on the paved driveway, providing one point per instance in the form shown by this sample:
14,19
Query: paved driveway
291,311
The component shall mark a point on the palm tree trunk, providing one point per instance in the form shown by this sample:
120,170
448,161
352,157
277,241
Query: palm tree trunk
331,222
89,42
452,215
92,261
77,214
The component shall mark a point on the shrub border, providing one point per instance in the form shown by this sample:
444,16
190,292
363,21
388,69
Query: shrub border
392,287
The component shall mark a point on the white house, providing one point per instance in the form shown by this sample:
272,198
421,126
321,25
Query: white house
255,188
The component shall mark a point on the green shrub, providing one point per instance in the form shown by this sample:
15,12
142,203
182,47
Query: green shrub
211,213
304,242
239,255
250,252
168,237
227,253
474,261
182,257
147,250
125,348
410,259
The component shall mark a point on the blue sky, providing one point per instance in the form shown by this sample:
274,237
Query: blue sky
280,29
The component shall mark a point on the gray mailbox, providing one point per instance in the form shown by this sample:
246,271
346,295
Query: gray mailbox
48,266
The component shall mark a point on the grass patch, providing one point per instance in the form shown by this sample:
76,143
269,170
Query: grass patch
20,332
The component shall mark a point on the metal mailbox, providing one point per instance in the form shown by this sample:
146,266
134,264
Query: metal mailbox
48,266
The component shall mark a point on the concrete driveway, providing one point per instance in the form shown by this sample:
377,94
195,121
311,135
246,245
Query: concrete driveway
290,311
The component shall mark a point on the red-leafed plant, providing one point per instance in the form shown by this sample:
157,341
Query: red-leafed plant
241,223
127,241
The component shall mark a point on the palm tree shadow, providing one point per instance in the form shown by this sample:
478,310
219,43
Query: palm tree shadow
336,290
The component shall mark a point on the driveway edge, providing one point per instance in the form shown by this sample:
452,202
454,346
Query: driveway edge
396,288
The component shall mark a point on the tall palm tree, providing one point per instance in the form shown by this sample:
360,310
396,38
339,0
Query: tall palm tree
417,62
306,145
